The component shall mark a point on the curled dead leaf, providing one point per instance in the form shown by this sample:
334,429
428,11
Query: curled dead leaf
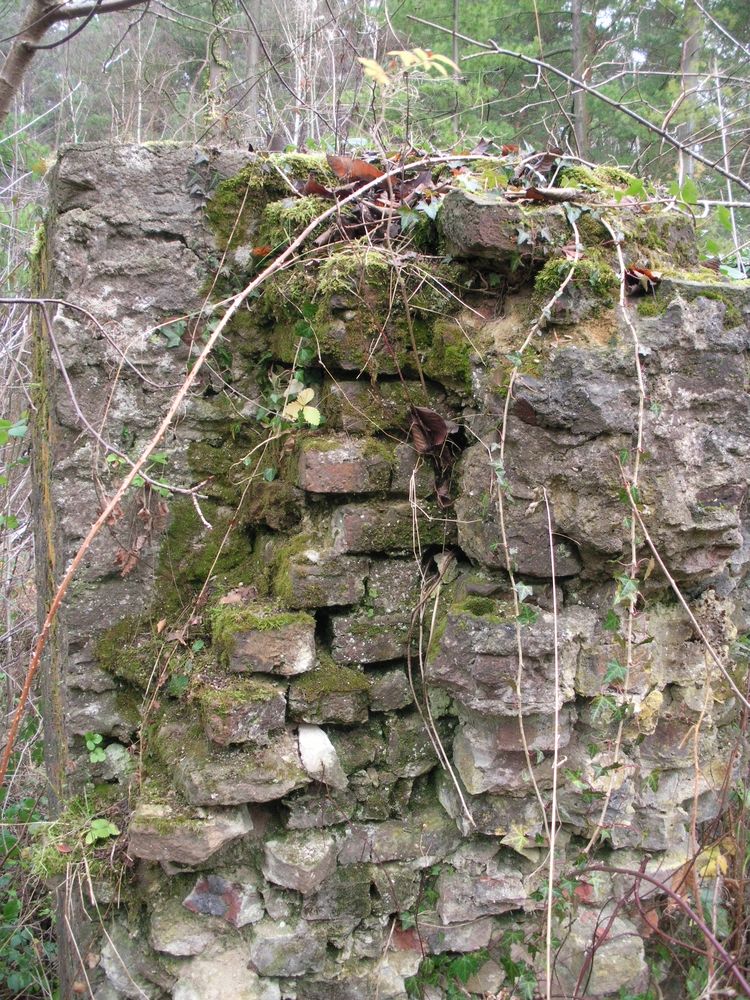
350,169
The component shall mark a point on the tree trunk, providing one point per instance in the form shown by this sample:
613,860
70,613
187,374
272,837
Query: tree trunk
39,18
580,110
688,66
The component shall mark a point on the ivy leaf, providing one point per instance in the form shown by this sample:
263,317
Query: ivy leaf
615,673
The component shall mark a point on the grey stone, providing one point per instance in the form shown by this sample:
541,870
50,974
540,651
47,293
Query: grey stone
410,751
177,932
208,776
279,948
486,224
331,693
466,936
246,711
389,690
317,578
301,860
129,965
618,961
427,838
345,895
476,661
222,973
463,896
160,832
287,651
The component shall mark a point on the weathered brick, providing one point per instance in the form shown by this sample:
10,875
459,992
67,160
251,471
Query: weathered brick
389,527
245,711
342,465
330,694
316,578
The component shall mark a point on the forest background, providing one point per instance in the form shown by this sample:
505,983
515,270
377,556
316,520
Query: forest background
666,95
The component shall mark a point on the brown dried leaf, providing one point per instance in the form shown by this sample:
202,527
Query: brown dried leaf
349,169
126,560
312,186
429,430
161,625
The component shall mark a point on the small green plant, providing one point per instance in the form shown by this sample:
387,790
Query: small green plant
94,746
99,830
449,973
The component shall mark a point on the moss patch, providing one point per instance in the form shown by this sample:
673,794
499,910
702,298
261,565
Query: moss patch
329,678
228,619
592,272
129,651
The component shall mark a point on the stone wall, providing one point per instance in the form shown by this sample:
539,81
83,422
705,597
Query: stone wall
316,742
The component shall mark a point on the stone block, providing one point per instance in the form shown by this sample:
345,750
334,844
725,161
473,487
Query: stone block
466,936
389,527
263,640
161,832
300,860
409,749
330,694
380,631
344,896
369,637
426,838
232,897
476,660
389,690
463,896
211,776
246,711
176,932
280,948
618,962
220,973
319,578
345,465
318,806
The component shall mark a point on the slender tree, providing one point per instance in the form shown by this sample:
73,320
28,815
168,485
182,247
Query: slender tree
40,16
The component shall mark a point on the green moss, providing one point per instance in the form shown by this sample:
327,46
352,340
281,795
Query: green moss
448,359
591,271
346,271
652,305
598,179
283,220
228,619
329,678
129,651
238,202
190,554
488,608
223,700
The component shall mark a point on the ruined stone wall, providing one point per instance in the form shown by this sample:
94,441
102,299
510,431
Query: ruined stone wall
307,685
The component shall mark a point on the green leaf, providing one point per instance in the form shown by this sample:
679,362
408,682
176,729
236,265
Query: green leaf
615,673
689,192
177,685
407,920
270,473
9,522
611,622
527,615
724,217
198,645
